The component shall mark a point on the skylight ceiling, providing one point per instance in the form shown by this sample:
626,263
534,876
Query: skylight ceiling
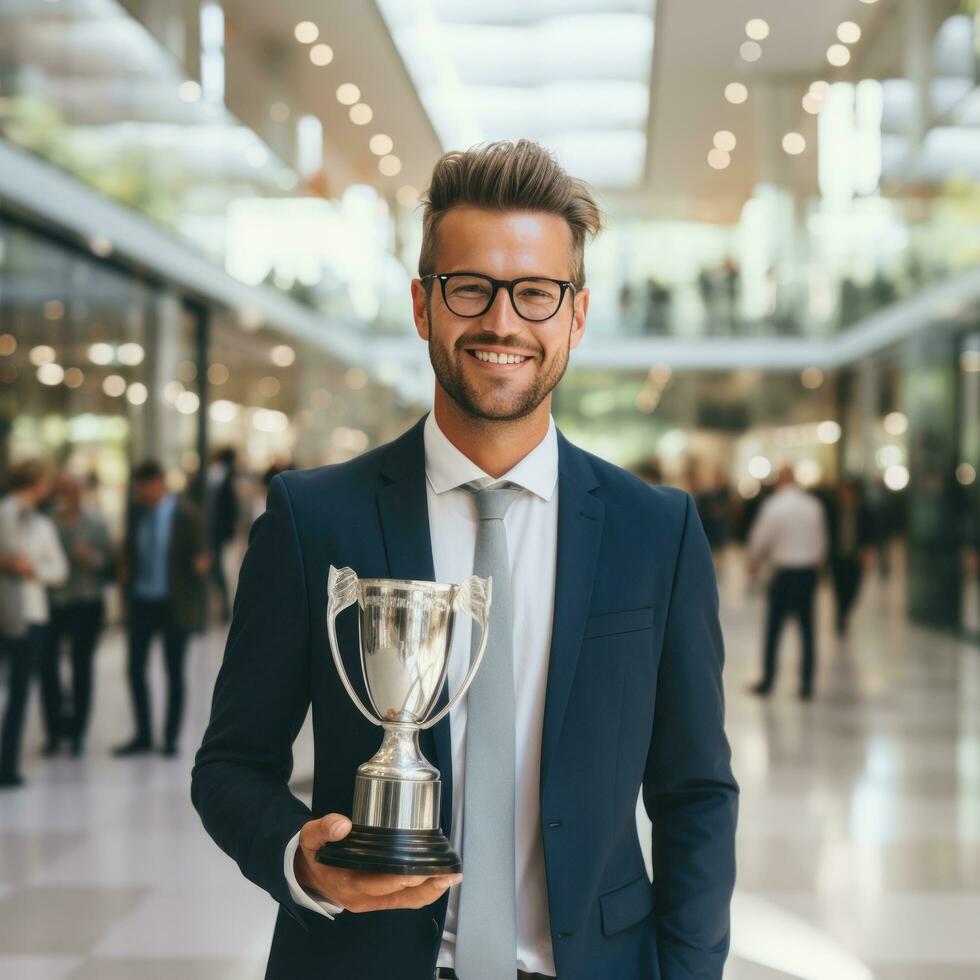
572,74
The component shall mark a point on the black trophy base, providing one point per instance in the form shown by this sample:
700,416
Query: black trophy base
394,852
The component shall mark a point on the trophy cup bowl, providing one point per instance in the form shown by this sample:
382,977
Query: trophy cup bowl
406,630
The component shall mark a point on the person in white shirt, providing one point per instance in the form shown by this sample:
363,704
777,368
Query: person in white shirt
31,560
602,676
790,534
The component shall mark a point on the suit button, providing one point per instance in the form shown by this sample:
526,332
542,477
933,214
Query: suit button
435,928
554,823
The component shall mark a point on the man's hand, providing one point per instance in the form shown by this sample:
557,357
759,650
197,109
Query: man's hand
17,564
359,891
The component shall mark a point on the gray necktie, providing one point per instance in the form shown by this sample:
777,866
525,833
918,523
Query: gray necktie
486,935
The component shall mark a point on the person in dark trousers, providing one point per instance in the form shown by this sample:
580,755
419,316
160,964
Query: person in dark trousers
790,533
31,560
77,614
164,566
850,528
222,511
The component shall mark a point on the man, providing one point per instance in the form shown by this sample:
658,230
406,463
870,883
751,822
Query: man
31,560
164,564
850,533
608,670
222,512
77,613
790,533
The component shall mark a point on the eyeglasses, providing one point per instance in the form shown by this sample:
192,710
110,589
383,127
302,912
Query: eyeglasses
534,298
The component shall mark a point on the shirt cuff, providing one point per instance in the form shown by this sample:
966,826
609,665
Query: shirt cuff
296,892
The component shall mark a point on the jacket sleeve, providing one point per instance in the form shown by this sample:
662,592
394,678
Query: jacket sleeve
240,779
688,788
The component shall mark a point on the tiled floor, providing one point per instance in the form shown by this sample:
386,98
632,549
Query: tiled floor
859,839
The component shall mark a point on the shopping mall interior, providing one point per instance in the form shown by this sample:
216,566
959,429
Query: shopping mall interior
210,221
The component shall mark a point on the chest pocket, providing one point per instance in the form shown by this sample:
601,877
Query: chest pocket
627,621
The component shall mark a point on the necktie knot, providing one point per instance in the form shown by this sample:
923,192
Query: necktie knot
493,502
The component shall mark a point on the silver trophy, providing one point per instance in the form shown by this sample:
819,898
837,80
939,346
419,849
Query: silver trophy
406,631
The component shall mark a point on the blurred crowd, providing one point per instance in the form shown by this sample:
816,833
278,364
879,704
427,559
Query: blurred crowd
59,563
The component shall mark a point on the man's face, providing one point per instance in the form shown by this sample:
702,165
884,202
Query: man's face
503,245
149,492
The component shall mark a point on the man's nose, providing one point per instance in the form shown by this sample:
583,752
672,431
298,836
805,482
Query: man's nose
501,317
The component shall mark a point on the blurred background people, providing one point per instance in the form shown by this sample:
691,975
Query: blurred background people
851,537
164,566
77,614
31,560
790,535
222,516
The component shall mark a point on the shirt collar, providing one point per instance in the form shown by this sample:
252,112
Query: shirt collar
446,468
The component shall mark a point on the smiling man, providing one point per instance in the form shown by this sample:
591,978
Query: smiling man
602,678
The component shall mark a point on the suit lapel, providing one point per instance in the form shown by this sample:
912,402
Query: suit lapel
403,510
580,518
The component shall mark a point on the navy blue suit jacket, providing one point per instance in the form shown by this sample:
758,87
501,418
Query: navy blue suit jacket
634,698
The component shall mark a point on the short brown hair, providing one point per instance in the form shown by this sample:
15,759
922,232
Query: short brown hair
24,475
506,176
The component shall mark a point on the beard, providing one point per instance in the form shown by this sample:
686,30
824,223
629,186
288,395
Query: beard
496,399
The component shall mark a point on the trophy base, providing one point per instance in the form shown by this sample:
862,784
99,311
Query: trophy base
396,852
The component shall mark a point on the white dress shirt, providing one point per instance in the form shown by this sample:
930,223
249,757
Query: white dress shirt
24,531
790,530
532,538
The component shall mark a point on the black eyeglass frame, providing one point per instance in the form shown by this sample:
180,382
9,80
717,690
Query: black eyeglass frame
508,284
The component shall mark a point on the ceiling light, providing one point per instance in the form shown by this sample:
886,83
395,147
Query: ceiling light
828,432
306,32
282,355
54,309
757,29
381,144
131,354
390,165
896,477
812,103
965,474
74,377
136,393
279,112
895,423
750,51
725,140
189,91
718,159
848,32
8,344
114,385
187,403
41,355
50,374
820,88
101,353
321,54
218,374
811,377
838,55
361,114
100,246
794,144
407,196
736,93
348,94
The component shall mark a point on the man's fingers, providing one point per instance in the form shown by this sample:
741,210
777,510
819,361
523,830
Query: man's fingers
316,833
418,896
381,884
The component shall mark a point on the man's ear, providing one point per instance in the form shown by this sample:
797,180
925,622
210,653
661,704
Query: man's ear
420,308
580,309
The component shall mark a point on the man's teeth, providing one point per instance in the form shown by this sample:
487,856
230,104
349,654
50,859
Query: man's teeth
494,358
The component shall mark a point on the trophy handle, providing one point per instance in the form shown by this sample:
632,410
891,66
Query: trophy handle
341,593
473,598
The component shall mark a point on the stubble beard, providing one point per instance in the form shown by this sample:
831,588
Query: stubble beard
501,404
